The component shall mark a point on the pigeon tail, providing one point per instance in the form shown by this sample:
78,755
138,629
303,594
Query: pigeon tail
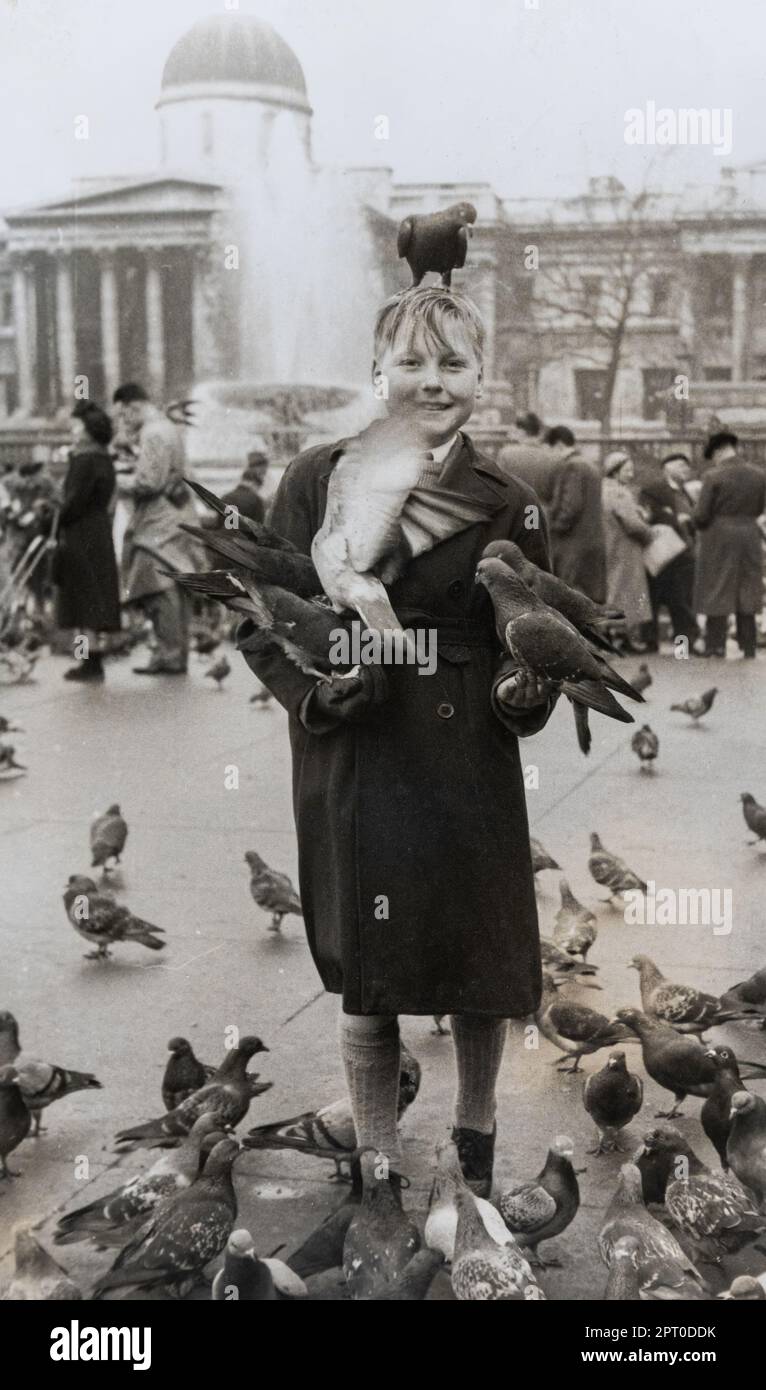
595,696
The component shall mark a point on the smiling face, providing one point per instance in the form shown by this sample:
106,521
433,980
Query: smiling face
437,382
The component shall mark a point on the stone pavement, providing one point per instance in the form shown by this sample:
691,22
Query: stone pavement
161,750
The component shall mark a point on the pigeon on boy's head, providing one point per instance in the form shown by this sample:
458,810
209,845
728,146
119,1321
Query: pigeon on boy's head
436,241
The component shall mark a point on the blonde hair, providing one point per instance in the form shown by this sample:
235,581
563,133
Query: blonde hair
432,308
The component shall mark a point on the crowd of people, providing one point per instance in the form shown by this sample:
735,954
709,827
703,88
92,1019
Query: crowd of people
670,542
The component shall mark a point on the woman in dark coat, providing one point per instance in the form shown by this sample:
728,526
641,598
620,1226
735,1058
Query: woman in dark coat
85,567
730,559
415,869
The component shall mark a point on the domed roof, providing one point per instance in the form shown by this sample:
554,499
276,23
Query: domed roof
234,55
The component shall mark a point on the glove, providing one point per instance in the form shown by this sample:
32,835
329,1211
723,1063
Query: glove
344,699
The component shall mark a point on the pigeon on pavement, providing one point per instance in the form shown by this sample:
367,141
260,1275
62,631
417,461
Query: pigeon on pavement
38,1277
714,1212
272,890
322,1248
542,1208
41,1083
676,1062
245,1277
131,1203
715,1115
10,1045
612,1097
549,647
436,241
381,1238
261,698
591,619
697,705
101,920
218,672
575,928
442,1218
755,817
108,834
483,1269
6,727
558,962
227,1097
8,759
415,1279
646,746
622,1285
574,1028
184,1073
749,995
642,679
664,1269
329,1131
183,1234
15,1119
689,1010
746,1289
541,859
746,1149
611,872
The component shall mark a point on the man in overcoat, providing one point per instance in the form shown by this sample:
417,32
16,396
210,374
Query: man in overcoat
730,559
154,541
415,869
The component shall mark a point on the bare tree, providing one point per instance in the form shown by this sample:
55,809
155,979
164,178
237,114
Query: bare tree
606,300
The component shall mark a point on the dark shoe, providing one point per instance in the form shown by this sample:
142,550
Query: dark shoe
477,1155
88,670
159,668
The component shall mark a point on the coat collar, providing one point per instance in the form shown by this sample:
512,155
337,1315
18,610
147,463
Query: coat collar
464,472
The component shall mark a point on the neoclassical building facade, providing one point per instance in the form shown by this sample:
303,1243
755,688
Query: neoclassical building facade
131,278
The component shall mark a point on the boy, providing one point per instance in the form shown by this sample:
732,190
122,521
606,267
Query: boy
415,870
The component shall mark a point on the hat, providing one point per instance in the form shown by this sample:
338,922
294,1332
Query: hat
677,454
614,461
721,440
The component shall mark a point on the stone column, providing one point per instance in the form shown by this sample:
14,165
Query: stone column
204,350
155,327
739,317
65,337
25,325
110,327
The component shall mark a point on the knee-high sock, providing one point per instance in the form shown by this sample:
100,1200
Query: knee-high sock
479,1044
371,1056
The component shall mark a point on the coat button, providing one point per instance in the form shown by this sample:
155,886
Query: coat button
455,589
445,710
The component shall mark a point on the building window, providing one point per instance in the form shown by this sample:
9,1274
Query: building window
716,292
591,293
659,297
589,389
207,133
6,307
717,373
658,385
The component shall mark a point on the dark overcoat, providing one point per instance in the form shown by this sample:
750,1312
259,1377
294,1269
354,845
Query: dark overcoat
415,870
576,524
730,556
85,567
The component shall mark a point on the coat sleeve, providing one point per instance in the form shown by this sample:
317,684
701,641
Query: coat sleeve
533,541
290,516
631,520
81,486
703,511
568,499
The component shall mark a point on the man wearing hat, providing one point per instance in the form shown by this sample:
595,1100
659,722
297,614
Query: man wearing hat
667,503
246,496
730,562
575,521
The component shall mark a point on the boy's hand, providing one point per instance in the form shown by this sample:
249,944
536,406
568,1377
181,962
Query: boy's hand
524,691
350,697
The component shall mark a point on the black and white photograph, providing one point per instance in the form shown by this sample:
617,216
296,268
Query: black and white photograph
382,653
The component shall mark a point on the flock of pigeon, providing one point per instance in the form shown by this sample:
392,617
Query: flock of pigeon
670,1215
